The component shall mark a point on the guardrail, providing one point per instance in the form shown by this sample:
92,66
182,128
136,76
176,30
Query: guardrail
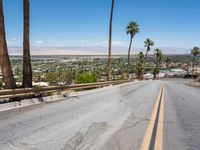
22,92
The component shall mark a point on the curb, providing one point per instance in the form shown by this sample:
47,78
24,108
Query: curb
195,84
14,108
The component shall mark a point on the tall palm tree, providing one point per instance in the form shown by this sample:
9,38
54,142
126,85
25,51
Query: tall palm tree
140,65
158,55
8,77
168,61
195,52
110,42
131,29
148,43
27,70
141,57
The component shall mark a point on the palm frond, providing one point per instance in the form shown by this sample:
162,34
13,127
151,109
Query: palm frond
132,28
195,51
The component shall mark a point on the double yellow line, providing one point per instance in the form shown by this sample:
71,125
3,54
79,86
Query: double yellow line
153,139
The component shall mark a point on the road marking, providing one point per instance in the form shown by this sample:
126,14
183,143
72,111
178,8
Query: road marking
159,136
153,138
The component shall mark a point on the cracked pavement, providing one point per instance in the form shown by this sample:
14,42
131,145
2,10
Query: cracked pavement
94,120
113,118
182,117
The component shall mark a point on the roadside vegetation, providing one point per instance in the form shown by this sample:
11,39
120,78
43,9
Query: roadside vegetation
195,52
132,29
22,72
88,77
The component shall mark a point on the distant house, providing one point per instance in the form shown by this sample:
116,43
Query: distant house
132,75
176,73
44,84
148,76
161,75
197,69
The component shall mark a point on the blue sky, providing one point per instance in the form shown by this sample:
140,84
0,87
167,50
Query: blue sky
170,23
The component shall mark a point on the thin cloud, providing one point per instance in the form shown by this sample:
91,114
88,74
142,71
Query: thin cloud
39,42
115,43
84,41
12,41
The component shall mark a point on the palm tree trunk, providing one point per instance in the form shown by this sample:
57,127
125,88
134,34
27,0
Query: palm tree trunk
27,70
8,77
167,65
144,64
110,42
193,64
156,69
145,59
129,51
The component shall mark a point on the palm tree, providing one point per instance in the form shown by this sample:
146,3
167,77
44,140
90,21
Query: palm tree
27,70
140,65
141,57
148,43
131,29
195,52
168,61
158,54
8,77
110,42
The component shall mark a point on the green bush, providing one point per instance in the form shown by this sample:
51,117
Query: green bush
88,77
52,78
122,77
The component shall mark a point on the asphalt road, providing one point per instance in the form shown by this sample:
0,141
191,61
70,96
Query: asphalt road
113,118
181,117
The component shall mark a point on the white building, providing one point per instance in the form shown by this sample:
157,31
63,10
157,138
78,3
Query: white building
148,76
45,84
176,73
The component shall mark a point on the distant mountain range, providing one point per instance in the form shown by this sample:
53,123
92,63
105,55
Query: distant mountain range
92,50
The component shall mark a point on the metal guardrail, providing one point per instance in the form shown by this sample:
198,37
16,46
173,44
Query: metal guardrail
13,93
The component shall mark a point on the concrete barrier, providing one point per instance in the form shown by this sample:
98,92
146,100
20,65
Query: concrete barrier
9,105
193,83
28,104
7,113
